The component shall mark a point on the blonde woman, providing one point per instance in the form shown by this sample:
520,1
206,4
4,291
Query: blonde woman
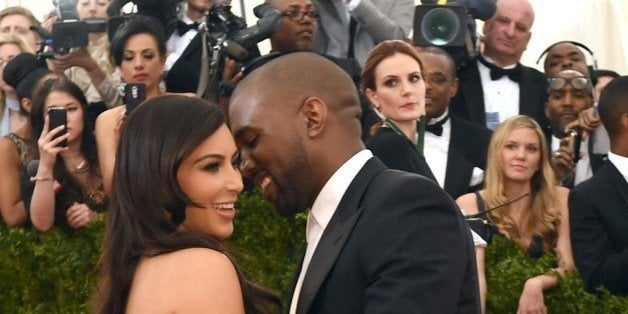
518,165
11,116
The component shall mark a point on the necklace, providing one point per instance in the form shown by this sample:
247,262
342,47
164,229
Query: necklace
82,167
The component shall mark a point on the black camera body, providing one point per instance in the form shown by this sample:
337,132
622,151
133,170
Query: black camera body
238,41
74,34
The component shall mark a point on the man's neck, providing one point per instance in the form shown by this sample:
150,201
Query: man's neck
501,61
194,15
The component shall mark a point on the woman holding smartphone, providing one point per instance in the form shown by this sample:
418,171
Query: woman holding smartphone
139,49
68,186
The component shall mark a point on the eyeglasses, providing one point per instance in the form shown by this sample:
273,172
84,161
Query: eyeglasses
578,83
297,15
438,80
3,62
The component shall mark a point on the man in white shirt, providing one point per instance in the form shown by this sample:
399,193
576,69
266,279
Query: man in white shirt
183,62
379,240
494,86
455,149
598,207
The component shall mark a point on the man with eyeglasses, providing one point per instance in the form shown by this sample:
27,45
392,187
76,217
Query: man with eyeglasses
455,149
351,28
570,92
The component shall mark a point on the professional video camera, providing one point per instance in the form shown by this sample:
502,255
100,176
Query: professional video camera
451,26
68,32
231,34
227,35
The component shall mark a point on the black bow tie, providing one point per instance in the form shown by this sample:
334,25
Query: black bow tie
183,28
437,128
513,74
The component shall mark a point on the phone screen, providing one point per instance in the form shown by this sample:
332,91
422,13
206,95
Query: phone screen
58,117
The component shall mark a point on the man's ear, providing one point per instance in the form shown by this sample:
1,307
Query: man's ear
314,111
547,111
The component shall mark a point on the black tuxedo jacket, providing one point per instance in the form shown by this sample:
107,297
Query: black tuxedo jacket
599,229
396,244
469,101
184,75
468,147
397,153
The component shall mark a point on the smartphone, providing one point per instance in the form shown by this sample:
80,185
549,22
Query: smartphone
58,116
134,95
575,139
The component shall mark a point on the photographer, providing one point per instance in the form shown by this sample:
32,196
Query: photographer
89,67
570,92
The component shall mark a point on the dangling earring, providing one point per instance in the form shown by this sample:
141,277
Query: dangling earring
377,112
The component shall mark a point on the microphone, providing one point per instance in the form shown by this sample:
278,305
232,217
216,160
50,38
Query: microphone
31,169
480,213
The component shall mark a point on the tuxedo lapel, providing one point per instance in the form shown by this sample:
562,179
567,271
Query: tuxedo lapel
619,182
526,106
473,93
194,44
336,234
458,172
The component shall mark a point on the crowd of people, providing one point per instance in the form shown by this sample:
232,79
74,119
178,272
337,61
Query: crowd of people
386,145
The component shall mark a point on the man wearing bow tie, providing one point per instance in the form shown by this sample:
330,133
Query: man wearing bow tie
494,86
184,49
455,149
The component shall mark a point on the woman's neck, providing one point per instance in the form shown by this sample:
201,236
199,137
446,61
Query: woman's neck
513,190
153,92
408,128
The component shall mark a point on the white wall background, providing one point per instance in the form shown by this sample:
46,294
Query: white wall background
602,25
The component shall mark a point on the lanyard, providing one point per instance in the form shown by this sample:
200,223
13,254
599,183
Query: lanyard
418,147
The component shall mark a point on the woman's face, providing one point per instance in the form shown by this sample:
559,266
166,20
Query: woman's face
7,52
94,9
141,61
209,176
19,25
521,154
74,111
399,88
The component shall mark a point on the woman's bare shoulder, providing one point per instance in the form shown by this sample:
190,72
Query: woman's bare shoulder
184,280
468,203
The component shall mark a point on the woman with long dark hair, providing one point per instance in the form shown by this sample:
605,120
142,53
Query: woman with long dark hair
68,185
175,192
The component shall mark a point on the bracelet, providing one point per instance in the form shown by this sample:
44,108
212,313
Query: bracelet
33,179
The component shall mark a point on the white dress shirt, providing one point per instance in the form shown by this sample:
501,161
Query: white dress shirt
324,208
620,162
501,96
436,149
177,44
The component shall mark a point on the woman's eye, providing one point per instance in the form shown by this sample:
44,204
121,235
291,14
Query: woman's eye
149,55
390,83
127,57
212,167
415,78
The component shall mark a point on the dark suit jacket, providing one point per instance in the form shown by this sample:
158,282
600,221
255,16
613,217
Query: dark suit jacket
184,75
396,244
397,153
599,229
469,101
468,147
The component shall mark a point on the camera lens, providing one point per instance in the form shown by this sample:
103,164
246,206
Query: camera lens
440,26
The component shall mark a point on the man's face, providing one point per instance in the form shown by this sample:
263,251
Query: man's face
272,151
564,104
295,34
507,33
565,56
440,83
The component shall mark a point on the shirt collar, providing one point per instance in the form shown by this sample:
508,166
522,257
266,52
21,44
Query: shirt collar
332,192
620,162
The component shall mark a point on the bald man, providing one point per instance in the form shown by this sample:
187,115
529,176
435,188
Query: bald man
495,86
379,240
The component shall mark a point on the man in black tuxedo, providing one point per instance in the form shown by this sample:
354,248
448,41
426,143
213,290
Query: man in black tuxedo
379,240
599,206
185,49
455,149
494,86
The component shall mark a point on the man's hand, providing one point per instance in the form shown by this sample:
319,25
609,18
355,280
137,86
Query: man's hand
588,120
